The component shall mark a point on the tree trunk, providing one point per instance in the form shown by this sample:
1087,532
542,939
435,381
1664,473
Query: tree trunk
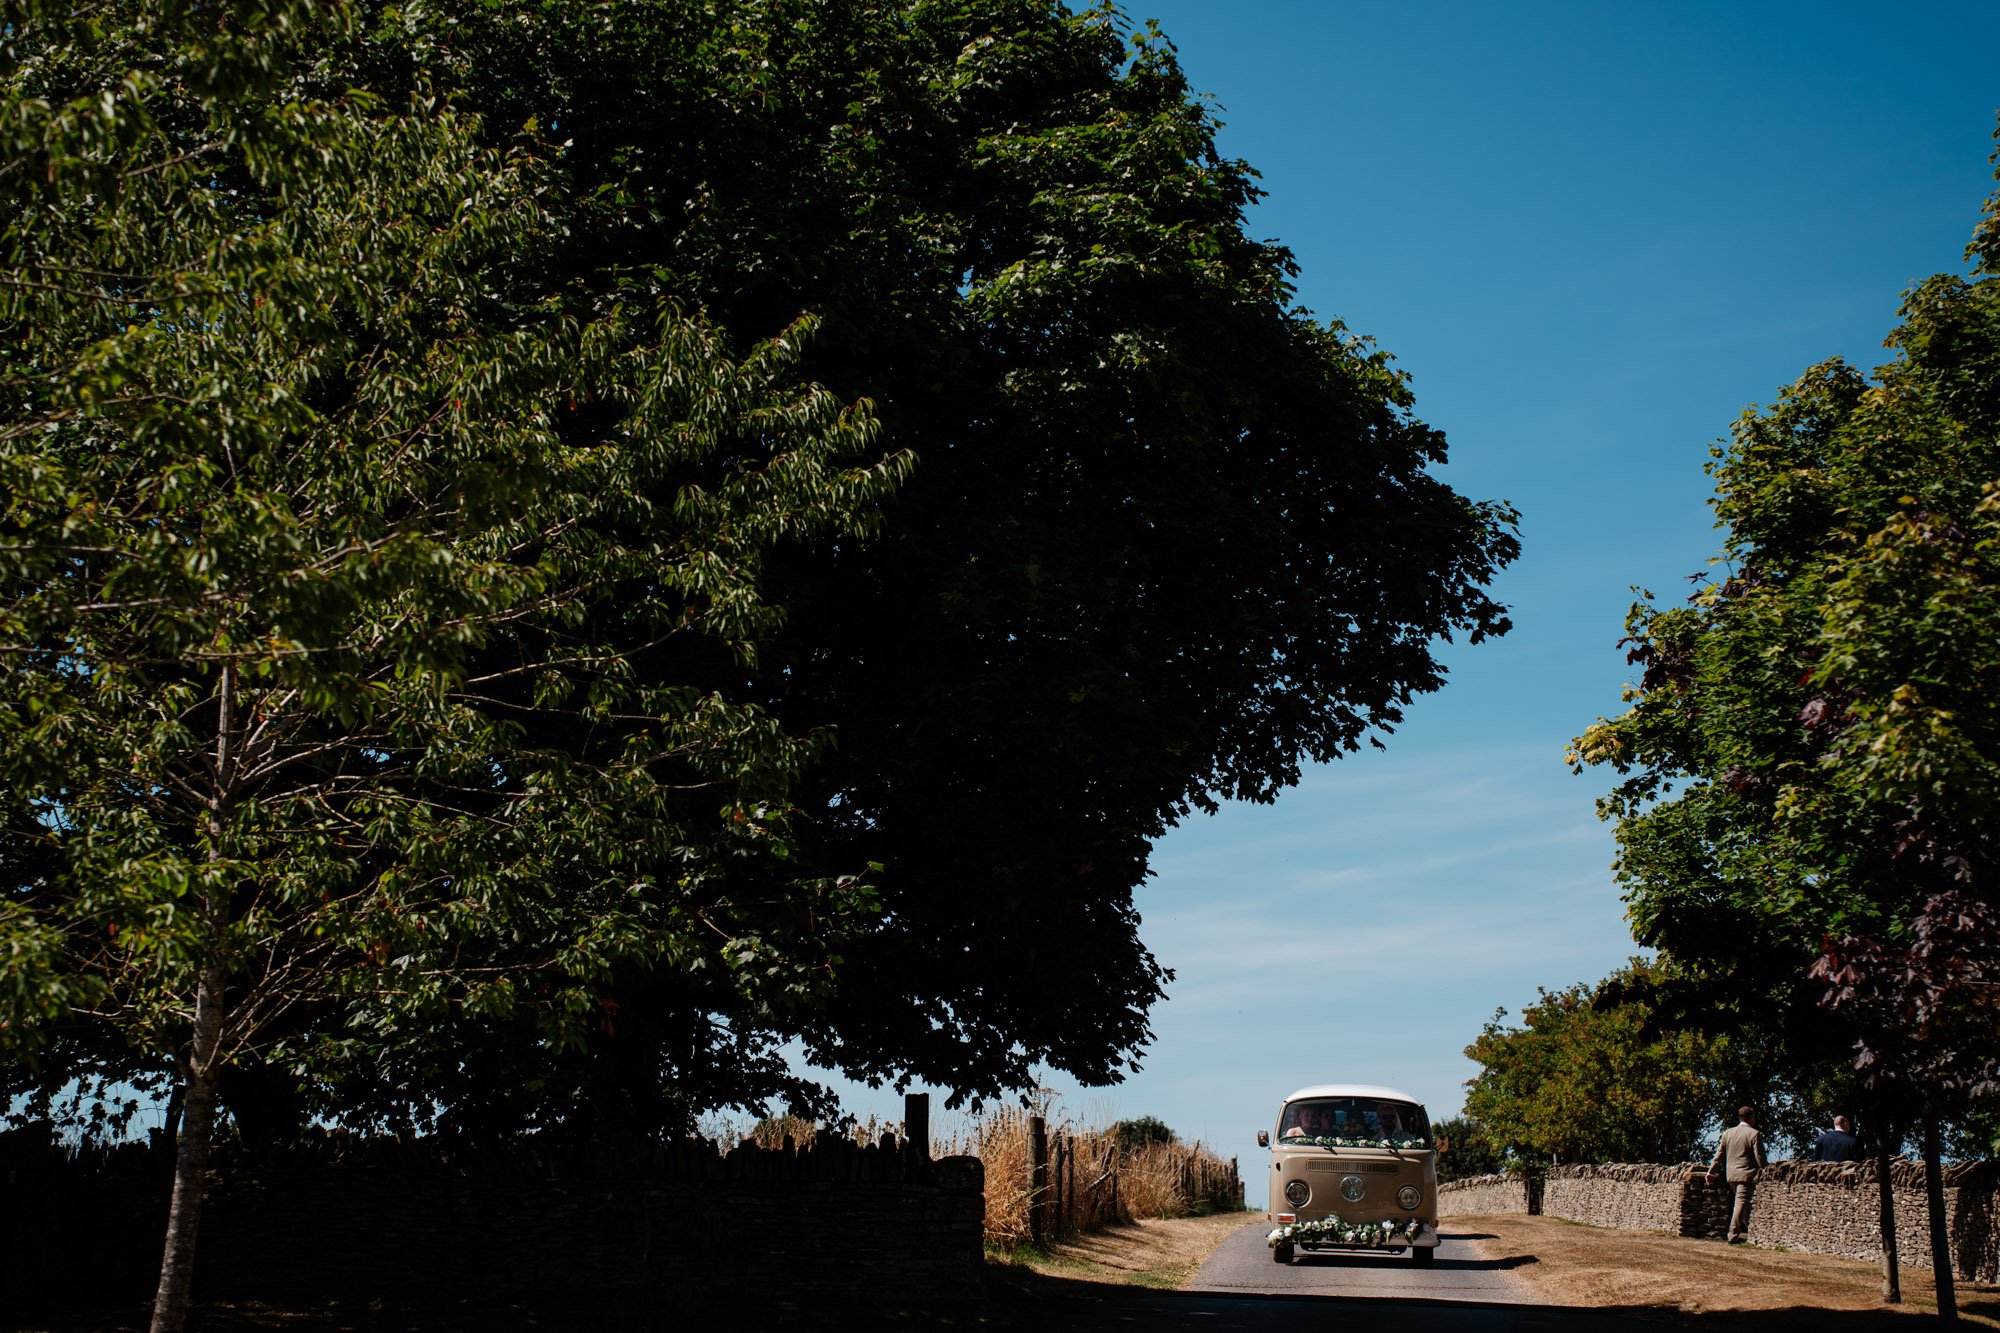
170,1126
204,1059
1892,1277
1941,1257
170,1302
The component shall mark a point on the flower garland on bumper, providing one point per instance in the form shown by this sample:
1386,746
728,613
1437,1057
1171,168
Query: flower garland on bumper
1333,1228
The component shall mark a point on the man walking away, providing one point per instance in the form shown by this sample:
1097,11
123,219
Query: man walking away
1837,1144
1740,1152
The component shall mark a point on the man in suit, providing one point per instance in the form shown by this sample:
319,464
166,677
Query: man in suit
1740,1153
1837,1144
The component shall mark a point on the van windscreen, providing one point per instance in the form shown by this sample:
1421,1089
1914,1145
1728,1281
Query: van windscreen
1355,1122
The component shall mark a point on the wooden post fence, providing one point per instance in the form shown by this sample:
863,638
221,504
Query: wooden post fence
1038,1180
1070,1222
917,1133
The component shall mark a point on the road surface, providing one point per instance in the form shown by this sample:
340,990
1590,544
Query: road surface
1244,1264
1240,1290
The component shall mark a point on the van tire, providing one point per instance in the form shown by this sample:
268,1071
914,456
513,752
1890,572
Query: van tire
1282,1252
1425,1255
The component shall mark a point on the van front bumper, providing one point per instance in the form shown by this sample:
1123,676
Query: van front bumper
1425,1239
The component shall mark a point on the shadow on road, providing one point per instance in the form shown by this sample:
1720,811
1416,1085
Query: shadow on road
1038,1304
1010,1299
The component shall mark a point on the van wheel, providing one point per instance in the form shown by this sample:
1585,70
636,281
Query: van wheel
1424,1256
1282,1253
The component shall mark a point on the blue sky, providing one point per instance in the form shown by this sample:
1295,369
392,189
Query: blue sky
1593,234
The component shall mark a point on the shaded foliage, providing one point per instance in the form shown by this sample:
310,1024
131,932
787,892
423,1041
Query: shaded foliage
1169,536
1131,1134
373,621
1807,821
1809,759
1472,1152
1582,1079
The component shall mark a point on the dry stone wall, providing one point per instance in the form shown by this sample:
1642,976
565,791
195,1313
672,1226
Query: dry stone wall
1636,1197
1477,1195
677,1224
1820,1207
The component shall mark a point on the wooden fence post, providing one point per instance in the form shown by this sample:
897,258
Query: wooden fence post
1038,1179
1056,1154
1058,1150
1069,1187
917,1133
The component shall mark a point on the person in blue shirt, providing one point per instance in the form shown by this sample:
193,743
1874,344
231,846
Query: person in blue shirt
1837,1144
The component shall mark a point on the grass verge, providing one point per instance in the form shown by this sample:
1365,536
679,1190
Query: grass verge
1158,1252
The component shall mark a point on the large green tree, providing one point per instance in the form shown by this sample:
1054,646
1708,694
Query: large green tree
1584,1079
1169,536
1807,824
374,621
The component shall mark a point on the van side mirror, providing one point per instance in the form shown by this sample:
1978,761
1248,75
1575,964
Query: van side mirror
1263,1138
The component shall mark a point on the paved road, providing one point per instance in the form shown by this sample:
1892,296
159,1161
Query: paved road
1240,1290
1244,1264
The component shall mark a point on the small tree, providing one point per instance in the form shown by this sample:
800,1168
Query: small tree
1140,1133
1471,1151
365,626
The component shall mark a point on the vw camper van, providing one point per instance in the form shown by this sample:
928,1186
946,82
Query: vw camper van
1353,1166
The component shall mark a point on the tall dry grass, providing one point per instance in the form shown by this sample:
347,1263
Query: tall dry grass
1092,1183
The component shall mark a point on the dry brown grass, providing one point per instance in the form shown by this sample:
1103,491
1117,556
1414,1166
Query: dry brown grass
1602,1268
1100,1186
1152,1252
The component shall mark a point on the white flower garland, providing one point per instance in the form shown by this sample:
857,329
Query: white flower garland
1333,1228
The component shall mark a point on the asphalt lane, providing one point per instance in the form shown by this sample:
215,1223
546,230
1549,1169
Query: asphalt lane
1243,1263
1241,1290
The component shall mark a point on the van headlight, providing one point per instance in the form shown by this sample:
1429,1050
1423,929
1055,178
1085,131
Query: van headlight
1298,1192
1409,1196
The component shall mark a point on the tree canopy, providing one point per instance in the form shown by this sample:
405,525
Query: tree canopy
1168,537
1810,749
1582,1079
1470,1152
498,364
1807,822
372,615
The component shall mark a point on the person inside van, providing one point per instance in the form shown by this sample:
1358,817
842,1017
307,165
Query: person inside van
1390,1123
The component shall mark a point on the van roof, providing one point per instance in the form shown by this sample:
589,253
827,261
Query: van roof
1372,1091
